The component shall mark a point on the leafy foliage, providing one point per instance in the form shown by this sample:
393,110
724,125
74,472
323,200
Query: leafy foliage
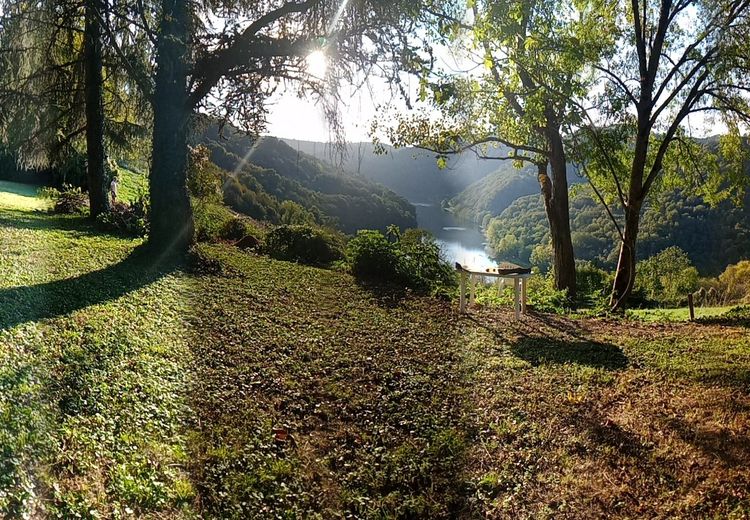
69,201
305,244
713,237
412,259
127,219
667,277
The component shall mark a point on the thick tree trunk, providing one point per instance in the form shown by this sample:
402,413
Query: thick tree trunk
97,180
171,214
626,264
556,204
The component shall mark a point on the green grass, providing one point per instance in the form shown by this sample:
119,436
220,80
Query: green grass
234,386
681,314
20,196
132,185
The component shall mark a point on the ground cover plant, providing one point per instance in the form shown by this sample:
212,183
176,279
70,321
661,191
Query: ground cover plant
231,385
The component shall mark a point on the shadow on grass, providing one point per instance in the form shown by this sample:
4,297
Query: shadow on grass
543,339
545,351
40,220
49,300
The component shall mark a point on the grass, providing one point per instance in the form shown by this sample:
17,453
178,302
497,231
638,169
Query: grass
132,185
680,314
235,386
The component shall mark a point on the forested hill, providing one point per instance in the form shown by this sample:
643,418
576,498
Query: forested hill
267,171
713,237
410,172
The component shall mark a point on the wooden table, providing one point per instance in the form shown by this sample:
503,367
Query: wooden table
505,271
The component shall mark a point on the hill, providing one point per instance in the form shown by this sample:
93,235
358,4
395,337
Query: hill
270,167
713,237
229,385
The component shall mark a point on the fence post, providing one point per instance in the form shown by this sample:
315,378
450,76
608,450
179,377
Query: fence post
690,305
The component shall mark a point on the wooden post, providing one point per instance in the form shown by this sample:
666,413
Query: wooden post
473,293
524,281
517,296
462,296
690,305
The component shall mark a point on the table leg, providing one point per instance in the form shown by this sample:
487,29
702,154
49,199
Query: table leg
517,297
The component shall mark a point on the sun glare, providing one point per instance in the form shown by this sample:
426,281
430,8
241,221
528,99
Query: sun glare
317,64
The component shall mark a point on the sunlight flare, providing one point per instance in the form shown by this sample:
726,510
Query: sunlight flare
317,64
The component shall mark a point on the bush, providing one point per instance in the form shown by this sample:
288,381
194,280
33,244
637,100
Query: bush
126,219
210,219
372,256
203,177
70,201
237,229
734,282
412,260
305,244
667,277
593,285
540,292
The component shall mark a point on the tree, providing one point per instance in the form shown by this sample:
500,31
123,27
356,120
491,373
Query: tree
54,78
674,59
230,72
93,86
534,58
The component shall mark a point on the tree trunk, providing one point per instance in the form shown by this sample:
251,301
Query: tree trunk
171,214
556,204
626,264
97,180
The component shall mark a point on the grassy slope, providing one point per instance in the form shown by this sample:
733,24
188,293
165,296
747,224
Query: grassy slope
681,314
249,388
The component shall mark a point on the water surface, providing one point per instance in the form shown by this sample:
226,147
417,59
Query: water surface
459,241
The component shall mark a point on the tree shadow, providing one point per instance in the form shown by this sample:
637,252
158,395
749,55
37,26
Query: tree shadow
546,351
58,298
542,339
40,220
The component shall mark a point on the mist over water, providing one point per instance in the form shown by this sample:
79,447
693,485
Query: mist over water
459,241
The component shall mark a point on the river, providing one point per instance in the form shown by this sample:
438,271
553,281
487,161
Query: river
459,241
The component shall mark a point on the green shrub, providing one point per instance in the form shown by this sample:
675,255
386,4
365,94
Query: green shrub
210,219
540,292
203,177
126,219
667,277
734,282
305,244
237,229
71,201
412,260
593,285
372,256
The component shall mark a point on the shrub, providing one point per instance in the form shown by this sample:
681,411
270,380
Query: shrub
421,264
305,244
372,256
540,292
412,260
734,282
71,201
237,229
126,219
210,219
593,285
667,277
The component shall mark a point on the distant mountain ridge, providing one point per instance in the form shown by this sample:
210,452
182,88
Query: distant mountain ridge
268,166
